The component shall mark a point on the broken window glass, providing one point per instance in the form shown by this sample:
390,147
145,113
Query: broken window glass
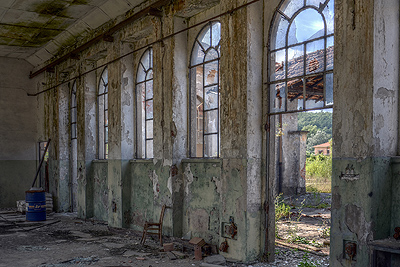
102,107
144,110
204,92
301,55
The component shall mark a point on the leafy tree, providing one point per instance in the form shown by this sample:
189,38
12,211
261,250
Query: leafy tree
319,126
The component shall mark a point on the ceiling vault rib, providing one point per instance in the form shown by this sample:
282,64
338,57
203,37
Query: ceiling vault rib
104,36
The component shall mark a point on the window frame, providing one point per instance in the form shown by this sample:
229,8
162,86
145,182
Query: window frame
102,114
200,120
73,112
274,27
142,129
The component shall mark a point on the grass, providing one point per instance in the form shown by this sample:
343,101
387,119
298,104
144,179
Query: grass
319,174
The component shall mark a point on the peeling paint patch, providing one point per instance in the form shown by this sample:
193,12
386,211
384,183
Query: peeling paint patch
356,222
156,187
384,93
169,184
189,178
217,184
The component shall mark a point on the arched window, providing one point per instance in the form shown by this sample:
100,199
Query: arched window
102,109
144,104
301,55
73,111
204,92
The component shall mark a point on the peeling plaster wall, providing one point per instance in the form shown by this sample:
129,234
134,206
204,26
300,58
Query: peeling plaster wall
18,131
365,126
200,194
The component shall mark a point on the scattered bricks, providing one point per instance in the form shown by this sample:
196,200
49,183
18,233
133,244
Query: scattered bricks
168,247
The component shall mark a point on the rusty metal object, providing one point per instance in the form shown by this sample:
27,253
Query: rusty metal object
350,249
197,253
224,246
397,233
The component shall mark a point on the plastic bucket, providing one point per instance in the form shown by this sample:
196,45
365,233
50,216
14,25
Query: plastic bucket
36,205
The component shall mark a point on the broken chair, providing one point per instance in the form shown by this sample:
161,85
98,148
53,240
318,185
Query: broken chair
154,228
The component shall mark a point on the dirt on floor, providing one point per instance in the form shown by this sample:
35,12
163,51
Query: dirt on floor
64,240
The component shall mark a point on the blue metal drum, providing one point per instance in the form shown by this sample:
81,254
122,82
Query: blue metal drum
36,205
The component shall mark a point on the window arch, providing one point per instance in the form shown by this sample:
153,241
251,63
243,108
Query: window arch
102,109
301,55
204,92
144,106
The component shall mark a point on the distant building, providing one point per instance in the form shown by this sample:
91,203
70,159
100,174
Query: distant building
322,149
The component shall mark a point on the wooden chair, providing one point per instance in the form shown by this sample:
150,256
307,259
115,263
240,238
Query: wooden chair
154,228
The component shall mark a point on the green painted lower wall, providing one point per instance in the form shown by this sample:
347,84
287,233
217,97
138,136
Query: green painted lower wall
100,191
361,206
16,177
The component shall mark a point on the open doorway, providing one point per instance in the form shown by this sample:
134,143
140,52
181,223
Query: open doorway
301,47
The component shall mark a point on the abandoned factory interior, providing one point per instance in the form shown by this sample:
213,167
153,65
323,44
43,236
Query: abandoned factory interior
194,109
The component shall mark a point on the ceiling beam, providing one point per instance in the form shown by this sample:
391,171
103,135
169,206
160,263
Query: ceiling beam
150,10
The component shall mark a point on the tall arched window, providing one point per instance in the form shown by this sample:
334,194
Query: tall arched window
144,104
102,109
73,148
204,92
301,55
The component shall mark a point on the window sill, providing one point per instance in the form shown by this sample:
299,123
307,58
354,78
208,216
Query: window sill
141,161
100,161
202,160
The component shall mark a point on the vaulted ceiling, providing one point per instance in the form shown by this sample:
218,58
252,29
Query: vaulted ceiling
35,30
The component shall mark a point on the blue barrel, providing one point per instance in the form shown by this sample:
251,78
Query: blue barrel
36,205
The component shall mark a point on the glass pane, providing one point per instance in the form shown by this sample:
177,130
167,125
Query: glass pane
211,73
104,76
306,26
216,33
280,38
329,13
329,53
205,37
315,91
73,115
295,94
211,54
105,134
278,65
211,97
199,131
149,109
278,97
106,101
199,83
290,7
106,118
211,121
149,75
329,88
145,60
314,3
315,56
211,146
197,54
73,131
73,100
149,149
149,129
295,61
149,89
141,74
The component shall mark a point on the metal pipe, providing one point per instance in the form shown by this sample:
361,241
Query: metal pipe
58,61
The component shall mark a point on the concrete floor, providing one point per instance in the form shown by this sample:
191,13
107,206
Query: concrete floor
63,240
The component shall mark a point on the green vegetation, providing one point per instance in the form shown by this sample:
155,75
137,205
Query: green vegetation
282,210
306,262
318,173
319,126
